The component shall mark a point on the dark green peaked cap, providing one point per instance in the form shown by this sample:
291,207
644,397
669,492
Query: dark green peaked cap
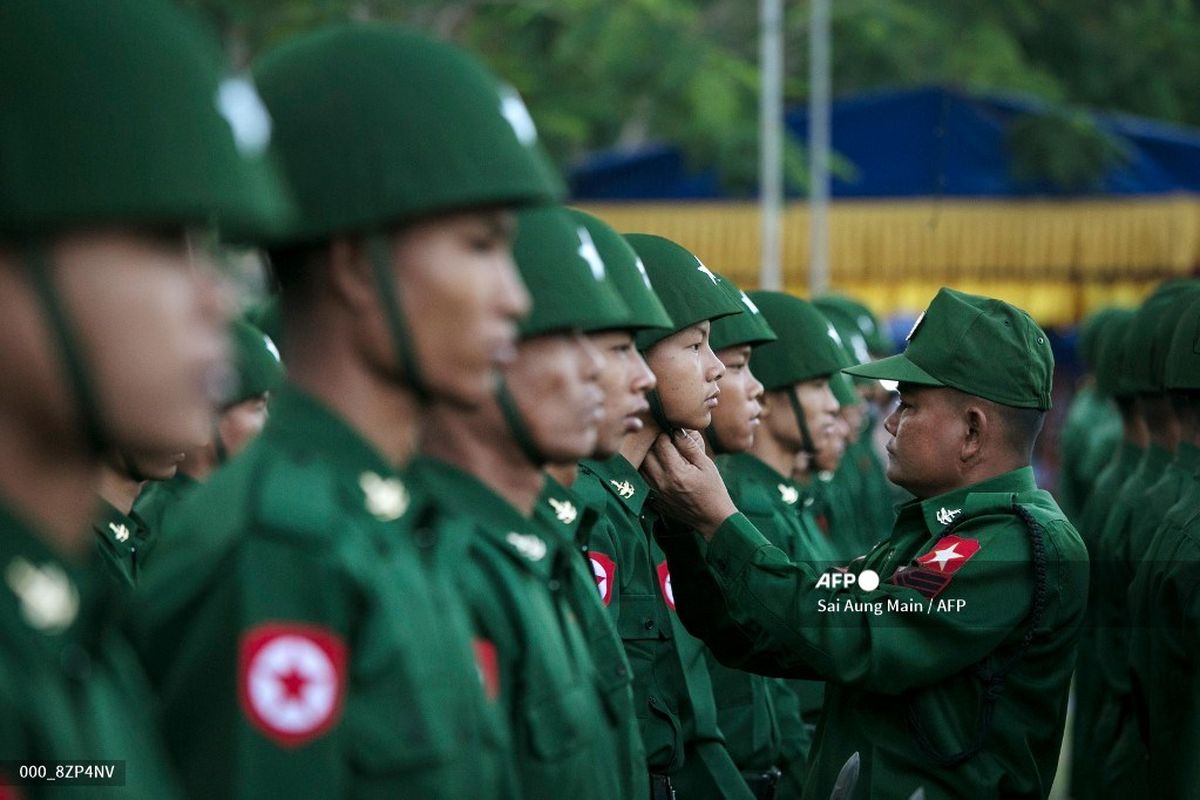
116,113
861,317
750,327
1110,350
256,360
689,291
807,347
1183,356
566,276
378,125
978,345
627,273
1145,352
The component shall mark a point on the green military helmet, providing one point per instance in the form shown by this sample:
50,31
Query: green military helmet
377,125
876,338
978,345
1110,353
567,278
267,316
690,292
1089,336
256,361
1144,353
627,273
1183,356
748,328
116,113
808,346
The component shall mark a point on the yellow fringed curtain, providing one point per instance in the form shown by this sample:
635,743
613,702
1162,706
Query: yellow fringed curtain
1058,259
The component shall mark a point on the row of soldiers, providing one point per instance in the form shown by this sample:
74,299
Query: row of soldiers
1131,482
541,510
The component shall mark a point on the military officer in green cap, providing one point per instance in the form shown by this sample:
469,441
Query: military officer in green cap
257,371
1164,655
685,749
948,655
483,467
1115,736
338,657
115,151
624,380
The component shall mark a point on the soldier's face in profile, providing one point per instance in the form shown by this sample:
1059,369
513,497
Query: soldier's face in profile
624,380
736,417
687,371
554,382
820,410
462,297
151,321
927,430
831,448
241,422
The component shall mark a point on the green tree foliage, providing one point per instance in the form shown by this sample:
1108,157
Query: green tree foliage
604,73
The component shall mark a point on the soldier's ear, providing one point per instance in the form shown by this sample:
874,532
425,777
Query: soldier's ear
349,275
976,427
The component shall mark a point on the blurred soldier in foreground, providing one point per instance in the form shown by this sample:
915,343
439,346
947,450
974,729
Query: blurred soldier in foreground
949,657
337,655
114,154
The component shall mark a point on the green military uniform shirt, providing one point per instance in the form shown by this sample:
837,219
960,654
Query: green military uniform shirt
539,667
914,672
1165,650
869,489
671,686
70,687
1090,434
304,636
157,499
567,518
121,540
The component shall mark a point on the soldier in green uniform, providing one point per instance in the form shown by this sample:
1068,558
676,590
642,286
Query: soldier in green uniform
760,717
113,150
1091,428
624,380
685,749
258,371
123,537
1164,654
483,466
1115,735
1109,382
337,655
948,658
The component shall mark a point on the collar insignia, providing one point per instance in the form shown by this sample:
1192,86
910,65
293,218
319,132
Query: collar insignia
564,510
121,531
624,488
386,498
789,494
528,545
946,515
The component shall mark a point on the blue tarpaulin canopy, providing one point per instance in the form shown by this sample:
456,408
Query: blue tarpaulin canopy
921,142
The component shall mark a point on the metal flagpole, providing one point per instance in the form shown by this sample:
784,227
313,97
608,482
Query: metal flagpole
818,146
770,116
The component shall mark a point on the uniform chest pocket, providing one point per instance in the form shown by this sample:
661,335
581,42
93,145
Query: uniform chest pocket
643,617
556,725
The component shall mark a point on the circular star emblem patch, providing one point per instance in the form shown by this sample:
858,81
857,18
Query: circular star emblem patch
292,680
664,582
604,570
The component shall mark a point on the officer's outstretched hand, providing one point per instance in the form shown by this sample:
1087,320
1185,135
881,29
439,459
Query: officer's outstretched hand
689,489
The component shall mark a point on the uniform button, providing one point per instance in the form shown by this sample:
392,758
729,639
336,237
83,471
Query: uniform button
554,585
654,702
622,672
648,624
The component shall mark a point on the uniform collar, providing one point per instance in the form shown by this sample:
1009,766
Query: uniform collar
938,512
303,424
461,493
783,490
621,480
122,531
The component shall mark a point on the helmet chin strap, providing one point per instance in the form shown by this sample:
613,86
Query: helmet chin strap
798,410
87,407
516,424
386,288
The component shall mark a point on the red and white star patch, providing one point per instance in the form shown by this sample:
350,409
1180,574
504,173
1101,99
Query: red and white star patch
292,680
488,666
949,554
604,569
664,581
